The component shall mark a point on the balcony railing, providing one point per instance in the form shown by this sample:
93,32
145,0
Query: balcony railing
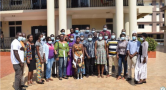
42,4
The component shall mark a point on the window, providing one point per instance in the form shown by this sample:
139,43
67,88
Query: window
14,27
141,26
150,4
109,20
142,17
15,2
150,24
163,24
157,3
163,4
157,14
163,16
158,24
150,14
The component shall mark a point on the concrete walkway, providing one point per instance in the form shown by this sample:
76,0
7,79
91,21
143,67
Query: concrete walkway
156,79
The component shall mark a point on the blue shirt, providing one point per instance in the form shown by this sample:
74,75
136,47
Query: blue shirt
133,46
86,35
75,35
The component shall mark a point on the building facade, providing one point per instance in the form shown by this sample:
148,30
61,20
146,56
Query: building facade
50,16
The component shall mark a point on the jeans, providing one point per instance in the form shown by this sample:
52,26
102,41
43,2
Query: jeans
18,76
49,66
120,61
62,66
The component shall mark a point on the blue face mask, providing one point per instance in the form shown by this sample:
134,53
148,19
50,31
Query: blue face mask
104,29
141,39
123,32
113,37
49,42
106,37
122,38
41,39
76,31
23,39
87,31
134,38
63,32
71,39
100,38
57,40
52,38
90,39
20,38
93,31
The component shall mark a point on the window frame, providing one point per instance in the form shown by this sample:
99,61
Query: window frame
15,2
15,26
141,26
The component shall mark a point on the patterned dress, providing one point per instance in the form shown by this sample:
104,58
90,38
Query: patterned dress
101,52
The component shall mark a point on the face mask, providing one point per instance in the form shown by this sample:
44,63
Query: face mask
122,38
44,37
134,37
23,39
20,38
61,38
76,31
93,31
141,39
71,39
41,39
49,42
63,32
90,39
87,31
123,32
100,38
106,37
104,29
57,40
82,38
52,38
113,37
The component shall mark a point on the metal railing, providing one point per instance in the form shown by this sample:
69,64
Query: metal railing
6,43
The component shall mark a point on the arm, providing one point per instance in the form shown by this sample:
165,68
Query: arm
106,49
145,51
96,49
18,57
44,51
117,51
37,49
83,51
73,53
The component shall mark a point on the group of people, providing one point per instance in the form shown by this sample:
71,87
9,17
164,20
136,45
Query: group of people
79,54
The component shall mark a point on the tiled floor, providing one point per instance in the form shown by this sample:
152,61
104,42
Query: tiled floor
156,79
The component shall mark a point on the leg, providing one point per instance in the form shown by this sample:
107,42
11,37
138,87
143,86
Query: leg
48,67
91,66
125,65
77,75
45,66
80,75
64,67
51,63
87,66
102,70
60,66
98,69
129,62
54,69
23,75
119,67
110,65
115,64
18,75
38,70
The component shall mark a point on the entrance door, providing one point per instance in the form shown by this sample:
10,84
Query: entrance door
80,3
38,29
110,27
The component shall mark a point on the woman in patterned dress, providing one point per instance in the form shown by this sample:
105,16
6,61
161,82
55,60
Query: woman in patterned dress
101,54
78,52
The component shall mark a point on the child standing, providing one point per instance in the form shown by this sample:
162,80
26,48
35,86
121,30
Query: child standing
79,68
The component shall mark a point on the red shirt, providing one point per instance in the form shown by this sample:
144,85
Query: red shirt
109,34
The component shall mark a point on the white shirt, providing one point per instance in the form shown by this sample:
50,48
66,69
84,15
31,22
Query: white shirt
16,45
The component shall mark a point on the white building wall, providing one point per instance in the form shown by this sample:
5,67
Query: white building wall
147,18
147,28
158,28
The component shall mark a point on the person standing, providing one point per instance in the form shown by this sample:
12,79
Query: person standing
23,74
141,65
112,46
86,33
52,36
48,51
132,49
71,32
17,59
106,65
93,31
2,40
62,48
122,55
105,31
31,58
77,33
39,61
90,56
101,54
70,70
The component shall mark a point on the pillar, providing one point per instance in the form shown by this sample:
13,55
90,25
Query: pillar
165,25
132,17
57,31
119,17
69,23
114,23
126,23
62,15
50,17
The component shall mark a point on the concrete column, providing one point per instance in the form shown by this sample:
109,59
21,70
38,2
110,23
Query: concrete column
62,15
119,17
133,16
50,17
114,23
126,23
165,25
57,31
69,23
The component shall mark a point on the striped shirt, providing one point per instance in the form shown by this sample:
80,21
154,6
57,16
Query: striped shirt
112,45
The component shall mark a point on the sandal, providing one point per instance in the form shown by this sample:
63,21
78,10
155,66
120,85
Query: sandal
32,82
50,79
119,77
65,77
102,76
98,76
60,78
107,76
29,83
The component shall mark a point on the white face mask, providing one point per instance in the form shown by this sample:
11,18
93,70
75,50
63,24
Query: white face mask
23,39
49,42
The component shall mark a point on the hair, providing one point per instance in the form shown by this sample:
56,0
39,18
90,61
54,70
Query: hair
48,38
62,30
71,28
38,35
81,35
29,36
93,28
51,35
100,34
1,32
104,25
122,35
113,32
77,37
90,35
145,35
57,36
78,58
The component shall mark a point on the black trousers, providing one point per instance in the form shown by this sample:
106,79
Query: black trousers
89,66
18,76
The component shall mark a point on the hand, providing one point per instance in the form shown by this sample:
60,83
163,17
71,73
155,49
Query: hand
126,58
68,59
96,57
75,60
22,65
117,57
131,56
82,58
41,61
144,61
28,61
88,57
57,59
44,60
22,48
107,56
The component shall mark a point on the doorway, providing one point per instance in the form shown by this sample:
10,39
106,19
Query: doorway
110,27
80,3
38,29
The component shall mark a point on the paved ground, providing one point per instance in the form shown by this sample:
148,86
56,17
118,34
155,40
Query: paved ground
156,78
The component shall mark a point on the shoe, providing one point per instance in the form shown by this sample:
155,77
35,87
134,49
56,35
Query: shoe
77,78
24,86
40,82
43,81
143,81
60,78
50,79
136,82
65,77
23,89
87,76
47,80
81,78
128,79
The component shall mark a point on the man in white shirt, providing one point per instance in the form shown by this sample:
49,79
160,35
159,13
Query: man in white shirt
17,59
